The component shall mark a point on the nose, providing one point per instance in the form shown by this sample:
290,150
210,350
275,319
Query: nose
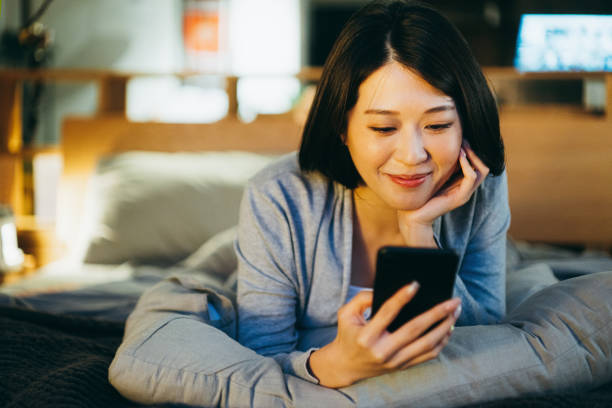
410,149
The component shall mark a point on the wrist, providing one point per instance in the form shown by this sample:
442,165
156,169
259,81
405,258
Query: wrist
418,235
326,365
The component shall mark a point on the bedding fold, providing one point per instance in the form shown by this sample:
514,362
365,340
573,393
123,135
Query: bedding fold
555,341
174,353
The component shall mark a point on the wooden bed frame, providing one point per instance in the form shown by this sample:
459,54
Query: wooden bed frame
559,165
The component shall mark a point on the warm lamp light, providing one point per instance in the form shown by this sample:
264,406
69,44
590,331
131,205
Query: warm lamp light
11,257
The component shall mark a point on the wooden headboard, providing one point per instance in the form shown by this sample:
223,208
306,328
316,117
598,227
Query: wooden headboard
559,165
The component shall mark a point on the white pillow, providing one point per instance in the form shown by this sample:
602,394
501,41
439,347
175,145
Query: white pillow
150,206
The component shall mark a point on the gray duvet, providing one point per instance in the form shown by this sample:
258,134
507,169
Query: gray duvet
555,337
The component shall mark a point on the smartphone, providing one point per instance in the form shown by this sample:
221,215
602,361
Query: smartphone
433,269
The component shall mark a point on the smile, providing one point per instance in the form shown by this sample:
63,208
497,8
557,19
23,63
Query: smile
409,181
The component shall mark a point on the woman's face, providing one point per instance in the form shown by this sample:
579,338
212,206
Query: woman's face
404,137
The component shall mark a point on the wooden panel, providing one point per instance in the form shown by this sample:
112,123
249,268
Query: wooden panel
609,97
10,116
64,74
560,177
84,140
112,95
11,181
231,88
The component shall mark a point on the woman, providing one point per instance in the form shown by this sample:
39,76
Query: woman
381,163
401,147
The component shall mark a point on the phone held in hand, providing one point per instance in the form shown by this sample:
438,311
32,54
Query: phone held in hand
433,269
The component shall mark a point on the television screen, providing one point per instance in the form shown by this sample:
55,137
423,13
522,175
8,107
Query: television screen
564,42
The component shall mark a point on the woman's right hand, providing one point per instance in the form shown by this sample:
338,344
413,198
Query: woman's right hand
364,349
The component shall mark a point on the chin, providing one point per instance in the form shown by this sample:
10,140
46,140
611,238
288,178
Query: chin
403,200
410,204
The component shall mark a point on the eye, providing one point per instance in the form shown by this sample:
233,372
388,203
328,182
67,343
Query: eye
384,130
439,126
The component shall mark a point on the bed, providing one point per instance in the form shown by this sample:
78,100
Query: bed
127,232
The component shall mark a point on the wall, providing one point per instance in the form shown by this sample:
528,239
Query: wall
145,36
131,35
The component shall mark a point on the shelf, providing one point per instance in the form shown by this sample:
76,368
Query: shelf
38,238
512,73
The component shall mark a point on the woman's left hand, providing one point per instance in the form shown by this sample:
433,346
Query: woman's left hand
416,225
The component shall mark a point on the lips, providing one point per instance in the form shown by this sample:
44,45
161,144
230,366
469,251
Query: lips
409,180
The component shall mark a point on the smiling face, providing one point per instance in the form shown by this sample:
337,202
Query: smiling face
404,137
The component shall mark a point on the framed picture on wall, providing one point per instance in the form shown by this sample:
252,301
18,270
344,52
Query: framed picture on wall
204,35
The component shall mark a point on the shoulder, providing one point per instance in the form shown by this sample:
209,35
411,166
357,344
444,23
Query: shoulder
284,182
282,199
494,189
284,165
286,169
486,210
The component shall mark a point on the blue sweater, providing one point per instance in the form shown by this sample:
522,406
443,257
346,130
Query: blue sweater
294,257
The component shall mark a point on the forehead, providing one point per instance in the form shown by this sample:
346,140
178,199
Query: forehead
395,87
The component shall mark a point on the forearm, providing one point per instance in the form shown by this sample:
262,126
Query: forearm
418,235
477,311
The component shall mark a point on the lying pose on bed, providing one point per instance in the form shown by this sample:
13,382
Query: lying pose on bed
401,147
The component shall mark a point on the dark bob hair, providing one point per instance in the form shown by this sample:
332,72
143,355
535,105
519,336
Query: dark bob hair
421,39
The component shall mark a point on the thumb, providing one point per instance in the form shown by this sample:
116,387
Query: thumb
358,305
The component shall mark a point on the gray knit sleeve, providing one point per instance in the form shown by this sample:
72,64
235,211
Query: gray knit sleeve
268,277
481,282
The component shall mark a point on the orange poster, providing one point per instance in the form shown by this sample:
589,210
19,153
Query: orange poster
201,31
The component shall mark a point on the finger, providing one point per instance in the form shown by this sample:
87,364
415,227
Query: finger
428,356
415,328
453,184
390,309
355,308
478,164
466,167
426,345
470,180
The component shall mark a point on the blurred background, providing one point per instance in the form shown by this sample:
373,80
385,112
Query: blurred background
264,42
199,61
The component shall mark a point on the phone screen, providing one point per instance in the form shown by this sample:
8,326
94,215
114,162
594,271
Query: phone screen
433,269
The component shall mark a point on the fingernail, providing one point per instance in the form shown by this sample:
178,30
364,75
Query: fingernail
462,152
457,312
413,287
452,328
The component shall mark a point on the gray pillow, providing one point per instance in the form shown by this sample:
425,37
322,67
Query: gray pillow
522,283
162,206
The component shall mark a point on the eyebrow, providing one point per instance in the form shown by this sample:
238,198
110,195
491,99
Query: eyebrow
440,108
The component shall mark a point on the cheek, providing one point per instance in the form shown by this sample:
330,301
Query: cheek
446,153
366,151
